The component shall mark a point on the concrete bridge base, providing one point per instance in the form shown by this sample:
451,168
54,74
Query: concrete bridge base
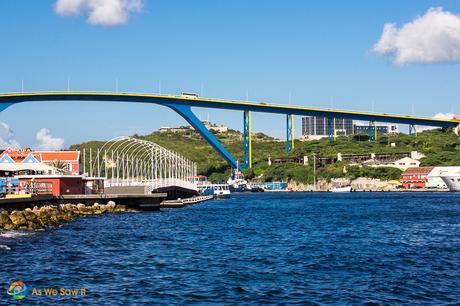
176,192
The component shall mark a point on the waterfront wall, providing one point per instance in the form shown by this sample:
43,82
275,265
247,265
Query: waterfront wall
359,184
53,215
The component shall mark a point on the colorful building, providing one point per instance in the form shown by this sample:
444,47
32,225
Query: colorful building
415,177
67,161
51,184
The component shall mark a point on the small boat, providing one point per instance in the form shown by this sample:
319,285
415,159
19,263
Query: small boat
217,190
452,181
341,189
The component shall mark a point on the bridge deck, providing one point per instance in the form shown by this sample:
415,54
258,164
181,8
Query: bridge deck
12,98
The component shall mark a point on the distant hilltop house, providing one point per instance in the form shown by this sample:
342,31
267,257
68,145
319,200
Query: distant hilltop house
47,162
214,127
402,164
187,129
182,129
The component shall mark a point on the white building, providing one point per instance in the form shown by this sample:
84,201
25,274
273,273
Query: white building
405,163
363,128
434,178
402,163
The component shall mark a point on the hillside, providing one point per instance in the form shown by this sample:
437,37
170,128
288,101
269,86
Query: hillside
440,147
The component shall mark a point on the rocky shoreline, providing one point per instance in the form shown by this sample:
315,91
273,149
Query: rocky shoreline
53,215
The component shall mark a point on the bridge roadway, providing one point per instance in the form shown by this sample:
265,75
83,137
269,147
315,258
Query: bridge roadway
166,100
182,105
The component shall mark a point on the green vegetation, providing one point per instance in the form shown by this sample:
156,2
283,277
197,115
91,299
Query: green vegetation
442,148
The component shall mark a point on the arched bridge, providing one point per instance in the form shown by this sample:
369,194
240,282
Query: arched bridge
183,104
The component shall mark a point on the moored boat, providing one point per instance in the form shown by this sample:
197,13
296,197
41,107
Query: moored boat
341,189
452,181
217,190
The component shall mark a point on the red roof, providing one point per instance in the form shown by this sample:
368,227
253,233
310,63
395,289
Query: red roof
47,156
418,171
18,155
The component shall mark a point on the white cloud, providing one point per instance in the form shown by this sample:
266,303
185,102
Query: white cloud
100,12
440,116
7,137
47,141
431,38
444,116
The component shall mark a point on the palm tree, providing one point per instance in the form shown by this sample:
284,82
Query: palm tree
59,165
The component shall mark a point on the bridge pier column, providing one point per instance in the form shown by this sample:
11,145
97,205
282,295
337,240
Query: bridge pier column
331,129
289,133
247,139
412,130
372,131
186,112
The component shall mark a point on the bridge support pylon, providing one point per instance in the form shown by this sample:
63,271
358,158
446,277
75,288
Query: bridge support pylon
186,112
289,133
331,129
247,139
372,131
412,130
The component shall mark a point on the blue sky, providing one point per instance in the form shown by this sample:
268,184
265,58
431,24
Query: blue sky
319,51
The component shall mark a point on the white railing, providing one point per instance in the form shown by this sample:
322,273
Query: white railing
152,184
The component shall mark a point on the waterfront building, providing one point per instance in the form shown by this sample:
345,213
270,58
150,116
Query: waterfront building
68,160
416,177
51,184
316,127
57,184
272,186
12,169
364,128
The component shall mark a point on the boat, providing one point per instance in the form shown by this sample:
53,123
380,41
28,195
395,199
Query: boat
452,181
341,189
237,182
217,190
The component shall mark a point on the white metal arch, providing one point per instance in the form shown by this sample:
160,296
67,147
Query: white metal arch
128,161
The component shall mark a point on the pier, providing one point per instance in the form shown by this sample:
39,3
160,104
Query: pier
179,203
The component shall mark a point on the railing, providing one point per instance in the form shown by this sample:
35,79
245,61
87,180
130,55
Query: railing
21,190
153,184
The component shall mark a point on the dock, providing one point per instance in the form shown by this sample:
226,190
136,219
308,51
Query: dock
179,203
153,201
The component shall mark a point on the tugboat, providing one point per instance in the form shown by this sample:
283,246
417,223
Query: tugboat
237,182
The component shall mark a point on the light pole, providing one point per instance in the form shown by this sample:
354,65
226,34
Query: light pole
314,171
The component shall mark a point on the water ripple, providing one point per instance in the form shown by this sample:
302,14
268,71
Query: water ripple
316,249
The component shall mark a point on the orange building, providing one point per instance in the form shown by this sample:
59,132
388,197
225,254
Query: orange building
415,177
